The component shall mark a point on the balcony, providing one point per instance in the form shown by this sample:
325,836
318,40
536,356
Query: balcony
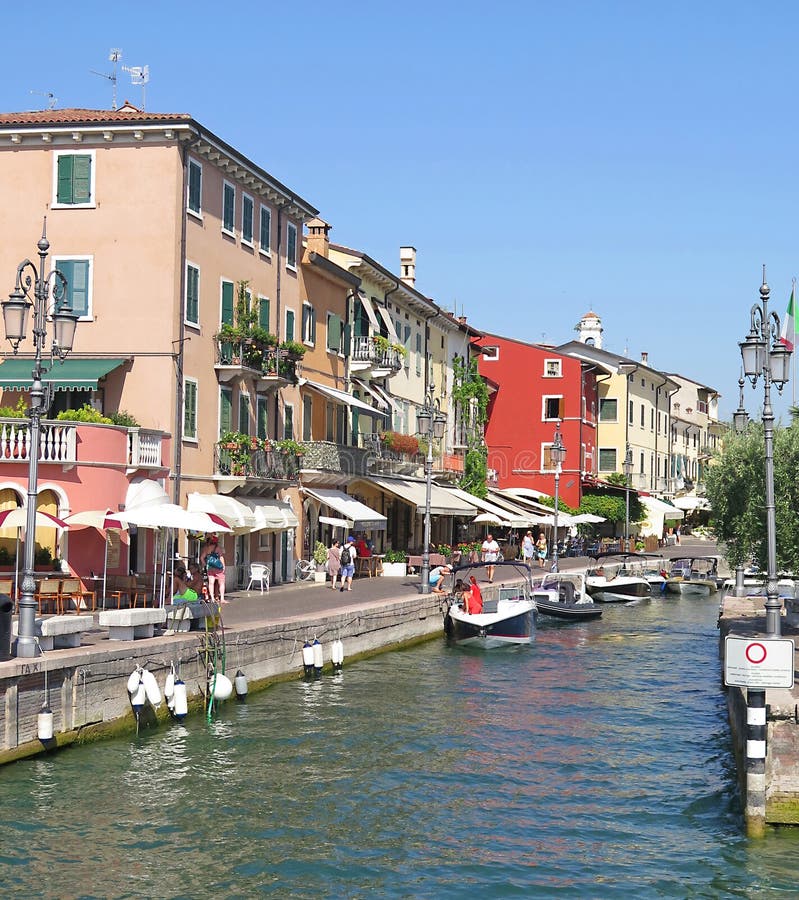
449,466
238,464
272,366
366,355
388,460
332,458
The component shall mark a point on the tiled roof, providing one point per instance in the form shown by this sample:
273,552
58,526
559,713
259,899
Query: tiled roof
88,117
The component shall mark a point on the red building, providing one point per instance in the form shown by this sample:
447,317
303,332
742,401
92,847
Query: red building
537,387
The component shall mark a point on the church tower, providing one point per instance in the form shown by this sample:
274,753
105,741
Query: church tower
589,330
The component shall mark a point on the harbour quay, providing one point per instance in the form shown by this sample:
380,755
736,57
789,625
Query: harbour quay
764,721
86,687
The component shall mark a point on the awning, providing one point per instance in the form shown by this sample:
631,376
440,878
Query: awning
370,310
657,512
144,492
505,516
535,513
364,386
271,514
691,502
442,501
336,523
69,375
340,396
392,333
363,518
387,397
238,516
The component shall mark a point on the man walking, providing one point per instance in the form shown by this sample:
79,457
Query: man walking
490,550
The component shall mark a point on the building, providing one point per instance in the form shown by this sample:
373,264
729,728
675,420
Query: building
695,434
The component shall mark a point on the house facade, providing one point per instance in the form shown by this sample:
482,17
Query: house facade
695,434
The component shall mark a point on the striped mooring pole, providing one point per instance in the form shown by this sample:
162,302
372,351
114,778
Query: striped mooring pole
755,762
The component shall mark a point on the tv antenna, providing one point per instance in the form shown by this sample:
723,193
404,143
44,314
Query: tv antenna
114,56
51,98
139,76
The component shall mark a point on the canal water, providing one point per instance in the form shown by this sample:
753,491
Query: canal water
595,763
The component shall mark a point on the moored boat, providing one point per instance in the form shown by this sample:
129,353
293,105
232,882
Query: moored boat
693,576
562,595
611,582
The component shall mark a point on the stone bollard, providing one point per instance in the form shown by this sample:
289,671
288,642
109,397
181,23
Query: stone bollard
740,590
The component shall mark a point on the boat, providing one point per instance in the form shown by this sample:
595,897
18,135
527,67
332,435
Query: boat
562,595
610,581
653,567
508,614
694,576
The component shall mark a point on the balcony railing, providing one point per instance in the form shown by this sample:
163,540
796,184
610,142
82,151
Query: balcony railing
267,362
333,457
268,464
364,350
387,461
144,448
58,441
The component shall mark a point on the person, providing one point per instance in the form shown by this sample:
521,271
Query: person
214,563
528,549
362,547
437,577
677,533
181,589
348,556
541,549
490,549
462,592
475,597
334,562
193,577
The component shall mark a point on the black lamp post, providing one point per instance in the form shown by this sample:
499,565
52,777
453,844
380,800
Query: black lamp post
628,470
764,355
35,289
430,422
557,453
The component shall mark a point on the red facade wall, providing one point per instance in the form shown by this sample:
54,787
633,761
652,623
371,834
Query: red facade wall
523,413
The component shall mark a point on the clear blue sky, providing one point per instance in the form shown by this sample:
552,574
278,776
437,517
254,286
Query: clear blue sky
545,158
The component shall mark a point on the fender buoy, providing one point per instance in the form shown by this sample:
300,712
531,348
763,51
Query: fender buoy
307,658
180,703
318,656
240,683
44,724
221,686
134,680
337,653
138,697
169,686
151,688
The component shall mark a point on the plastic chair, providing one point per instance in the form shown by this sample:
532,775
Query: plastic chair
259,574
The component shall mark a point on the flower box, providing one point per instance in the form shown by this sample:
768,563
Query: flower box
395,569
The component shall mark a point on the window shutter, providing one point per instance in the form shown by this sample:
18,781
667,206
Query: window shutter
266,228
195,187
189,409
548,458
307,418
193,294
76,272
334,333
81,179
289,324
246,220
347,342
227,302
244,414
225,410
263,313
561,403
262,413
291,244
288,423
64,187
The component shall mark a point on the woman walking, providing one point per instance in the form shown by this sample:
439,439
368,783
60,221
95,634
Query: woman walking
541,550
334,562
528,549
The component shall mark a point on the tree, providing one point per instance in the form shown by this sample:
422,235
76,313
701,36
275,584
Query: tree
736,489
470,395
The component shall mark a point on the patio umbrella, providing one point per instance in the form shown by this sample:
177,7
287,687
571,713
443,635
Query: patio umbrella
586,518
18,518
490,519
169,515
102,520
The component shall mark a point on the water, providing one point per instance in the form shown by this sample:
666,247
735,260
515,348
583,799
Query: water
594,764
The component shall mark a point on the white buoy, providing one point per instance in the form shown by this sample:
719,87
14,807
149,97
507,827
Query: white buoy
337,653
169,685
138,697
318,656
44,724
134,680
240,682
307,658
180,702
151,688
221,686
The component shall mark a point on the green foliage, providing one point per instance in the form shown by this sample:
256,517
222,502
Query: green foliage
736,489
381,343
20,411
124,418
289,447
396,556
320,554
42,556
475,472
617,478
293,348
86,413
611,506
562,507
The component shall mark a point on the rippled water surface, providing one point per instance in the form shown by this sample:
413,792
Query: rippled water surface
595,763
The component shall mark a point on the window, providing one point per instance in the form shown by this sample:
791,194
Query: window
261,417
189,409
490,354
228,208
246,219
407,343
266,231
288,422
290,324
631,413
192,310
74,179
643,416
552,368
226,312
608,410
553,408
308,324
652,420
607,459
418,354
195,200
263,312
341,423
641,470
334,333
244,412
225,410
78,272
307,417
291,245
330,422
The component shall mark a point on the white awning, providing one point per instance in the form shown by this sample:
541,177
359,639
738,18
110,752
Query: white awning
271,514
365,386
386,396
363,518
690,502
442,501
540,510
336,523
503,516
144,492
386,316
370,310
168,515
340,396
519,508
240,517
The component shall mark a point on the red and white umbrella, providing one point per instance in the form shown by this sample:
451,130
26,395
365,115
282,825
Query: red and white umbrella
102,520
18,518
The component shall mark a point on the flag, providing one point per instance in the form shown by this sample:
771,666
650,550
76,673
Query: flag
788,333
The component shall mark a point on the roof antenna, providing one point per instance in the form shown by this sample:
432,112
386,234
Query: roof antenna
114,56
139,76
51,97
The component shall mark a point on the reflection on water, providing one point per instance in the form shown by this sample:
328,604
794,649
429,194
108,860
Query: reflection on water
594,763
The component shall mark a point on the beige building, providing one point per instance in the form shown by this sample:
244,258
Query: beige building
695,434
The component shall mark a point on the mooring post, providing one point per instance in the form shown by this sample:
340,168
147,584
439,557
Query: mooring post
755,762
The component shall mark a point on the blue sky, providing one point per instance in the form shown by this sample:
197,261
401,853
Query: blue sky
545,158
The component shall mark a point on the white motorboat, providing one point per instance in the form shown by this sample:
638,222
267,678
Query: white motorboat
610,581
693,576
562,595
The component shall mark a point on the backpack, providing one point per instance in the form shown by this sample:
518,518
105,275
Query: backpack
212,561
346,556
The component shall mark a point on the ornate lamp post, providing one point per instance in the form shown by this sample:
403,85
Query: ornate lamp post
430,422
47,294
557,453
628,470
765,356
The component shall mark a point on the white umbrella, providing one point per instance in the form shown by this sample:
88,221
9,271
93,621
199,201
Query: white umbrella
18,518
169,515
490,519
102,520
585,518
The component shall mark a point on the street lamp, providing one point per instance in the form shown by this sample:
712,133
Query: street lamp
764,355
430,422
47,294
557,453
628,470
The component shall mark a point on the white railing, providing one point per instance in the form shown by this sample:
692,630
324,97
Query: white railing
144,448
58,442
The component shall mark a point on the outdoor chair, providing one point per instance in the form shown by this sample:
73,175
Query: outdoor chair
71,593
47,595
259,574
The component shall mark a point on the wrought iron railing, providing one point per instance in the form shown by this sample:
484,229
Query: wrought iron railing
269,464
267,361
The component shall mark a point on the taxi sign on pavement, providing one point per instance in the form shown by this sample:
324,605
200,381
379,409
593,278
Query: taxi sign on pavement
758,662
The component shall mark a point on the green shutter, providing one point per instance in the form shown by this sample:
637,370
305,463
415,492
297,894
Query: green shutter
334,333
347,343
192,294
244,414
76,272
229,207
266,228
263,313
227,302
189,409
64,188
195,187
82,179
291,245
288,423
289,324
225,410
262,415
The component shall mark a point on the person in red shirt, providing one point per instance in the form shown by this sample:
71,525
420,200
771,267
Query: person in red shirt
475,597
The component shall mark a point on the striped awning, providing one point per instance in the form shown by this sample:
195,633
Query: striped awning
68,375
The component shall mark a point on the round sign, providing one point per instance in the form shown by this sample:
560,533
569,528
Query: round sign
756,653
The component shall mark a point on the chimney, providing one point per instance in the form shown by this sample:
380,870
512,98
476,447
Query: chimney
645,357
408,265
317,240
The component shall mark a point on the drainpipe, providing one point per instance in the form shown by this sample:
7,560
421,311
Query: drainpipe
277,310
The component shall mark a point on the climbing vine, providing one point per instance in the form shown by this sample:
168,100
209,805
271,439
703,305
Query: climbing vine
470,397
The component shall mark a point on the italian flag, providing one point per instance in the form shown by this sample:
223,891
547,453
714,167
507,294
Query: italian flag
788,333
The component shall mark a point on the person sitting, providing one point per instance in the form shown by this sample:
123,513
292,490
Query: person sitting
461,594
181,591
475,597
437,577
363,549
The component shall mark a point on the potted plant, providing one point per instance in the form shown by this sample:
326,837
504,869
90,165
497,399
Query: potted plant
320,558
382,344
293,350
395,564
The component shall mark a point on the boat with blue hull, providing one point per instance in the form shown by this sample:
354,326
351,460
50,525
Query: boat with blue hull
562,595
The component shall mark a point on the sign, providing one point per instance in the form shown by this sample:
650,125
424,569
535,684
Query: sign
114,545
759,662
